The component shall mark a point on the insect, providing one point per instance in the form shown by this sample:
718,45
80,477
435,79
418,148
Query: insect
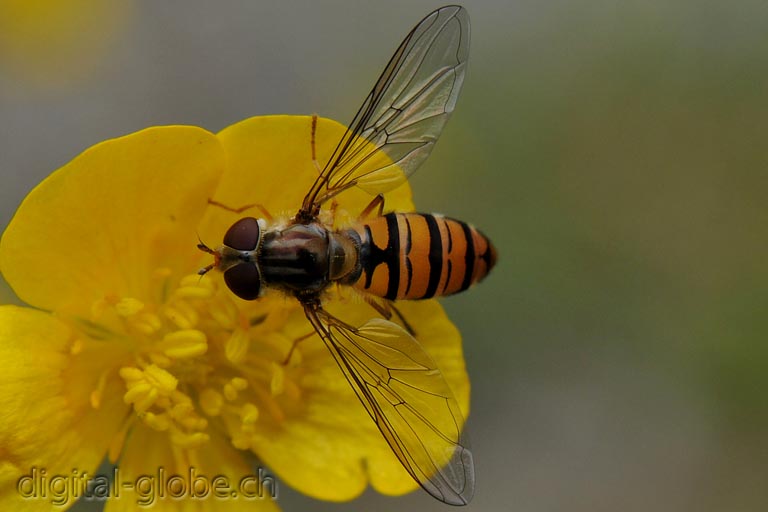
389,257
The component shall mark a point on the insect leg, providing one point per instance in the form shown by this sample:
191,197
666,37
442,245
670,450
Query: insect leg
332,210
293,346
376,204
381,308
312,143
386,308
241,209
402,320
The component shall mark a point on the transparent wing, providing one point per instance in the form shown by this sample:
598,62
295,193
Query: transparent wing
408,399
402,117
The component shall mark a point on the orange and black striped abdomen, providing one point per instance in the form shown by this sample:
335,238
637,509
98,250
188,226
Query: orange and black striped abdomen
418,256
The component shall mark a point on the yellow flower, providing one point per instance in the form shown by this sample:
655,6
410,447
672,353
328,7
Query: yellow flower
129,354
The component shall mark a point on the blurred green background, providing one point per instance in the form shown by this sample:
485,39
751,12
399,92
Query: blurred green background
615,152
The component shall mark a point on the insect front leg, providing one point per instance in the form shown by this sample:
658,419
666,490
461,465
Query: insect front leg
241,209
312,142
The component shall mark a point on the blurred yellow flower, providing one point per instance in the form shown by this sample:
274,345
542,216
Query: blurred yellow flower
51,43
127,353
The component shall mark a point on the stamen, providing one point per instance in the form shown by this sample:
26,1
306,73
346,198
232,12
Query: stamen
180,411
182,314
97,393
159,422
144,403
239,383
211,401
130,373
163,402
230,393
276,384
224,313
194,287
162,378
128,306
184,344
194,280
147,323
236,346
137,392
249,413
196,360
143,392
193,440
240,441
160,360
180,398
194,423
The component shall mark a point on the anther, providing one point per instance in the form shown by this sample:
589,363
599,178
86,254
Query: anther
236,346
249,413
184,344
276,384
211,402
128,306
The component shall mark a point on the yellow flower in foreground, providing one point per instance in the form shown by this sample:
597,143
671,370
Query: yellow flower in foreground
129,354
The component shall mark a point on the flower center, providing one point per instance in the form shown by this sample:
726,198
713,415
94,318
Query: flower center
202,363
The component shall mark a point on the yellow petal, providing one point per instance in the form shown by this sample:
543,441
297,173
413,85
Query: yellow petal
104,223
270,163
47,419
334,439
157,469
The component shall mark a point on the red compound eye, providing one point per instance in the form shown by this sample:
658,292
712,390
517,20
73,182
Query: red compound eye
243,235
244,280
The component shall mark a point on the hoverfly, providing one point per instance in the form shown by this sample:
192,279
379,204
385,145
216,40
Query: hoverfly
390,257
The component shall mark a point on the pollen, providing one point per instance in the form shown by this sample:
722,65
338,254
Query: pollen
277,383
193,287
236,347
128,306
181,315
147,323
189,440
211,402
230,392
184,343
202,357
159,422
249,413
161,379
239,383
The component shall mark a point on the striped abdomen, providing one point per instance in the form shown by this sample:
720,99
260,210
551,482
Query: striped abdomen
418,256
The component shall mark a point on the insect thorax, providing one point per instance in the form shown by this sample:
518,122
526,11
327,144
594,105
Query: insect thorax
308,257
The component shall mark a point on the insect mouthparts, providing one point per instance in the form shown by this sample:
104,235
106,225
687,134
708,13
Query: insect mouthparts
216,257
